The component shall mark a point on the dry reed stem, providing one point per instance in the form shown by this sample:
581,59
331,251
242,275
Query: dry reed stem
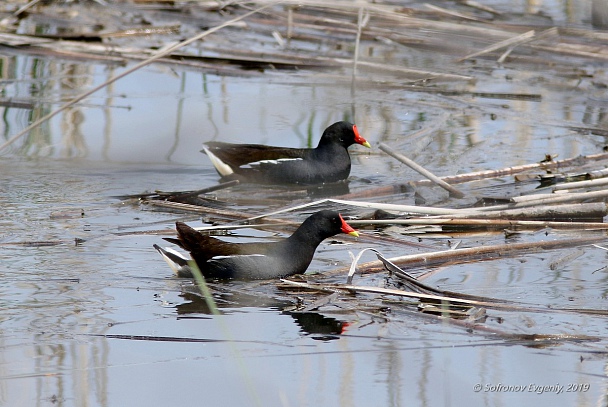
400,70
26,7
369,205
469,254
486,223
482,7
195,209
559,198
599,182
545,212
551,165
597,174
453,13
423,171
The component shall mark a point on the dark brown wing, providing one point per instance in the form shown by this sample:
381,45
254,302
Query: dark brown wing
236,155
203,247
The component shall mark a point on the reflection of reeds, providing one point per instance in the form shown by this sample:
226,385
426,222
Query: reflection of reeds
72,77
381,43
72,141
107,113
158,55
178,117
38,141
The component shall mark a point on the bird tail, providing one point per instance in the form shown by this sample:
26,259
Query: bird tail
175,260
221,167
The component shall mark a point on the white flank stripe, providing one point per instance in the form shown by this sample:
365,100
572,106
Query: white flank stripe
236,256
221,167
279,161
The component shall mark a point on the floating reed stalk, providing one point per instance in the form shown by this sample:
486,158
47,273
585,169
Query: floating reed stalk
416,167
473,253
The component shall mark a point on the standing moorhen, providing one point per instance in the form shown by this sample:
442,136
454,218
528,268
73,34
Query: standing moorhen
329,162
249,261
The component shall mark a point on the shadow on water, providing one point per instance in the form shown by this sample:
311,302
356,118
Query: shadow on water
317,325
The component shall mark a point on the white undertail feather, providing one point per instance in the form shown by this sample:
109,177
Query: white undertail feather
221,167
177,261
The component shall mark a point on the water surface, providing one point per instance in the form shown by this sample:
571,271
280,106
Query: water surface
92,316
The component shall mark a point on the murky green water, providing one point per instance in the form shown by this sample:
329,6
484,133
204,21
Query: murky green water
91,316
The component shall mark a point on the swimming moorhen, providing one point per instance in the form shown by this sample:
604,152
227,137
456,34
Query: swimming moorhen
328,162
253,261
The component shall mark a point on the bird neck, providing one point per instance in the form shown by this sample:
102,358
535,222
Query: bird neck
329,151
326,142
306,235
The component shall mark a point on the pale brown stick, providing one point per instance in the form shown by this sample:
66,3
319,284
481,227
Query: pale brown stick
478,175
453,13
569,212
461,255
581,184
558,198
490,223
502,44
397,69
482,7
486,174
416,167
195,209
25,7
595,174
